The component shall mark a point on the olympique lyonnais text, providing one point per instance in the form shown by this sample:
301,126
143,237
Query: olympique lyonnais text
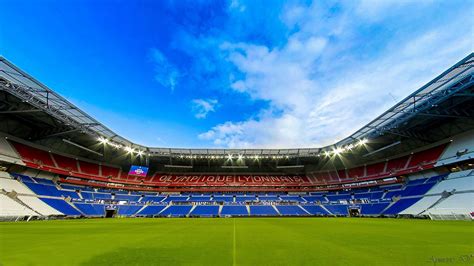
230,179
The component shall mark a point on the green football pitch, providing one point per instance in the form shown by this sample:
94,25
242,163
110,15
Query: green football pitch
237,241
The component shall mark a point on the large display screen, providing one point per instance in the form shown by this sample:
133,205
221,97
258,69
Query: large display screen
138,170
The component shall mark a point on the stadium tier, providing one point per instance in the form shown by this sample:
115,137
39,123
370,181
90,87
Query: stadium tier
414,196
80,172
415,159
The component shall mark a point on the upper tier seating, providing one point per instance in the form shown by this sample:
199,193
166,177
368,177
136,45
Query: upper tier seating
66,163
33,155
224,198
89,168
7,153
110,171
127,197
426,156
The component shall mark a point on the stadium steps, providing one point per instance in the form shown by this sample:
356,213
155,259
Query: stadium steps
324,207
276,209
248,209
192,209
14,197
141,209
301,207
220,210
167,206
389,205
74,206
80,195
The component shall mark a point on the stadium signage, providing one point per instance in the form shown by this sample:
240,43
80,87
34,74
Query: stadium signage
230,179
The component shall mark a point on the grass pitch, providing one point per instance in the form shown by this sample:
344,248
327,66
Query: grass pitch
237,241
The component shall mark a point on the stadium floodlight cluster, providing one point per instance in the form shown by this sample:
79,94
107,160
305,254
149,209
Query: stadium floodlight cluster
128,149
238,156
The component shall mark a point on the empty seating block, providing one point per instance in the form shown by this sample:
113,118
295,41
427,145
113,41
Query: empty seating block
315,210
206,210
110,171
128,210
291,210
262,210
234,210
400,205
46,190
373,209
89,168
91,209
337,209
61,206
223,198
66,163
177,210
33,155
127,197
151,210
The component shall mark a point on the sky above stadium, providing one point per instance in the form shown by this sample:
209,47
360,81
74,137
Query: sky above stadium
239,74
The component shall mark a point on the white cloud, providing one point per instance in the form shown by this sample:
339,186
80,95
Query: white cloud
202,107
318,92
165,72
237,5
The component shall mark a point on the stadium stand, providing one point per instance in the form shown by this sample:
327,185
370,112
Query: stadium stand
264,210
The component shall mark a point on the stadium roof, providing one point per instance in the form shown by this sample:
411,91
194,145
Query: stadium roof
422,102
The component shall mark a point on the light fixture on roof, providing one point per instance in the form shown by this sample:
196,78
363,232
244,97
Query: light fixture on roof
229,156
338,150
362,142
129,149
103,140
240,157
140,152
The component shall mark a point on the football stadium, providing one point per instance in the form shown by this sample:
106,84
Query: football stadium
397,191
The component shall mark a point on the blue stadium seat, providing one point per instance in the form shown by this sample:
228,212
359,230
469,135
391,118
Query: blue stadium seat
128,210
177,210
401,205
373,209
151,210
234,210
337,209
262,210
290,210
315,209
91,209
206,210
61,206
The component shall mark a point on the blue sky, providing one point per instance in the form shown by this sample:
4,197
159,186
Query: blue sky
235,73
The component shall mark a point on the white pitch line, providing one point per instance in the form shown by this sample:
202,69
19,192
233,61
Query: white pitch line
233,254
